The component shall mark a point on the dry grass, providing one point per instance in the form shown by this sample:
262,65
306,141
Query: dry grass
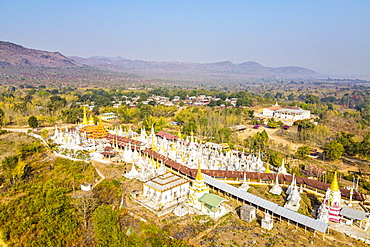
10,142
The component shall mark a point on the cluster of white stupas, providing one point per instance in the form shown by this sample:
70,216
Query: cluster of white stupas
187,152
74,139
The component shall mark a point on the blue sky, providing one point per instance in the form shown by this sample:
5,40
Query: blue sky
331,37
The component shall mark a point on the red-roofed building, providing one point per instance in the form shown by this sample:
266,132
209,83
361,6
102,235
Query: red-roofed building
162,134
269,111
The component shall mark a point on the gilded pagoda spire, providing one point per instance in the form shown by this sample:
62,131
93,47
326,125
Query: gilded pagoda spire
334,184
91,120
199,176
267,168
154,148
84,120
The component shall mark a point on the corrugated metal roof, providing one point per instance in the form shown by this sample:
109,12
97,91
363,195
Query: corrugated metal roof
273,207
212,199
352,213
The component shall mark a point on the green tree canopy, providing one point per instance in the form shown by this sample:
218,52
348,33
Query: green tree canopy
303,152
333,150
33,122
2,115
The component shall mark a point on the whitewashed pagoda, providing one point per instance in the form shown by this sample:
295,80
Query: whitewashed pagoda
282,169
332,204
276,189
293,200
244,186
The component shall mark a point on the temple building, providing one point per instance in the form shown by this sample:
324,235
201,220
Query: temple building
166,188
332,204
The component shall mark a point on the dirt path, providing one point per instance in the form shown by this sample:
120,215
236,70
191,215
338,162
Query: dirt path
272,133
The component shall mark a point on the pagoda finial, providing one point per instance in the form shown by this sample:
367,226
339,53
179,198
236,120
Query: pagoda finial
84,120
179,135
267,168
173,146
192,136
334,184
199,176
154,148
152,131
91,120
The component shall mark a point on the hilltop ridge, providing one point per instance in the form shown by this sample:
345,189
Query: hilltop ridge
16,55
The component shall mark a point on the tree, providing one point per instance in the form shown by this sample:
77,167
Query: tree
333,150
2,115
107,228
44,133
33,122
272,123
224,134
85,206
275,158
303,152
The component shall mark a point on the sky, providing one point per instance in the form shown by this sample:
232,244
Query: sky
331,37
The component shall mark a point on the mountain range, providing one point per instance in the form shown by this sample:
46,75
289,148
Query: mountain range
16,55
127,65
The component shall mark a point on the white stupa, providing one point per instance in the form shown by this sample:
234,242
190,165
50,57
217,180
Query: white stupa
276,189
244,186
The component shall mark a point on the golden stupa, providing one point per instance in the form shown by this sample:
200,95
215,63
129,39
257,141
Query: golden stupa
334,184
93,131
199,176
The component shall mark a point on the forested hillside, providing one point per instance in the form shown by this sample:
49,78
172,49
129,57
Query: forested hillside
41,203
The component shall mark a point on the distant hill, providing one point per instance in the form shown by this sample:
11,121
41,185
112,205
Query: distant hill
177,68
17,55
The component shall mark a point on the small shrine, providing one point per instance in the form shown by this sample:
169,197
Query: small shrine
248,213
267,222
211,204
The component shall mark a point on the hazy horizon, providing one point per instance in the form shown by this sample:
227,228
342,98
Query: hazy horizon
331,38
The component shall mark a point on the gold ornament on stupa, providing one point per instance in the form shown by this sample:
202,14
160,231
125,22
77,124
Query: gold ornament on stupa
334,183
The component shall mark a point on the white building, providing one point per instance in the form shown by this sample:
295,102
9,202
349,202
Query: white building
269,111
166,188
292,114
287,113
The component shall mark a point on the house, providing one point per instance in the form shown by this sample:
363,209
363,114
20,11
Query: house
108,116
